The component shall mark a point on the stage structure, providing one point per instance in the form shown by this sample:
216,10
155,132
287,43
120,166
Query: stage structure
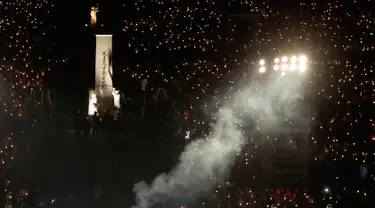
287,152
104,97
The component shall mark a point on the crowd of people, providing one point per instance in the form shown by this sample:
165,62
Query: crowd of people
96,126
175,60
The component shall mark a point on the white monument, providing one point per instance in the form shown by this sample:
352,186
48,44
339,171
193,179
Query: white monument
104,97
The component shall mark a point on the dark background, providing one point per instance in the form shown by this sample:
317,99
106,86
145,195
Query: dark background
61,167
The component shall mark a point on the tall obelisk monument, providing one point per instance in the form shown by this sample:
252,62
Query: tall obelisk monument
104,97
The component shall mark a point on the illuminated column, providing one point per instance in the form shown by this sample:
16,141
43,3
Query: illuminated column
104,97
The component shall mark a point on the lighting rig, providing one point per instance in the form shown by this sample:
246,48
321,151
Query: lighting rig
285,64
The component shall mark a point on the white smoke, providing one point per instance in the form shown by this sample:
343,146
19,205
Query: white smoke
201,164
269,104
206,161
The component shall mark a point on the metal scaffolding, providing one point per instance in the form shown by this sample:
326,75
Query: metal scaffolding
286,165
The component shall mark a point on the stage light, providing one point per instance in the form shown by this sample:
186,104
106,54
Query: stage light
302,59
286,63
284,67
293,59
302,67
262,69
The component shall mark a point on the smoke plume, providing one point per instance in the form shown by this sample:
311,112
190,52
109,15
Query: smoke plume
206,161
201,164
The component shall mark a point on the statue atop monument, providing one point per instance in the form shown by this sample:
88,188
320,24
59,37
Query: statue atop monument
94,10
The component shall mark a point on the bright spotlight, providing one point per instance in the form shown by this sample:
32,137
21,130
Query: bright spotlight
283,73
302,59
277,60
276,67
284,67
262,69
302,67
262,62
293,59
284,59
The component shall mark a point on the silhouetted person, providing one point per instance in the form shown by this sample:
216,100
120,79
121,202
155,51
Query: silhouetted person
95,125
